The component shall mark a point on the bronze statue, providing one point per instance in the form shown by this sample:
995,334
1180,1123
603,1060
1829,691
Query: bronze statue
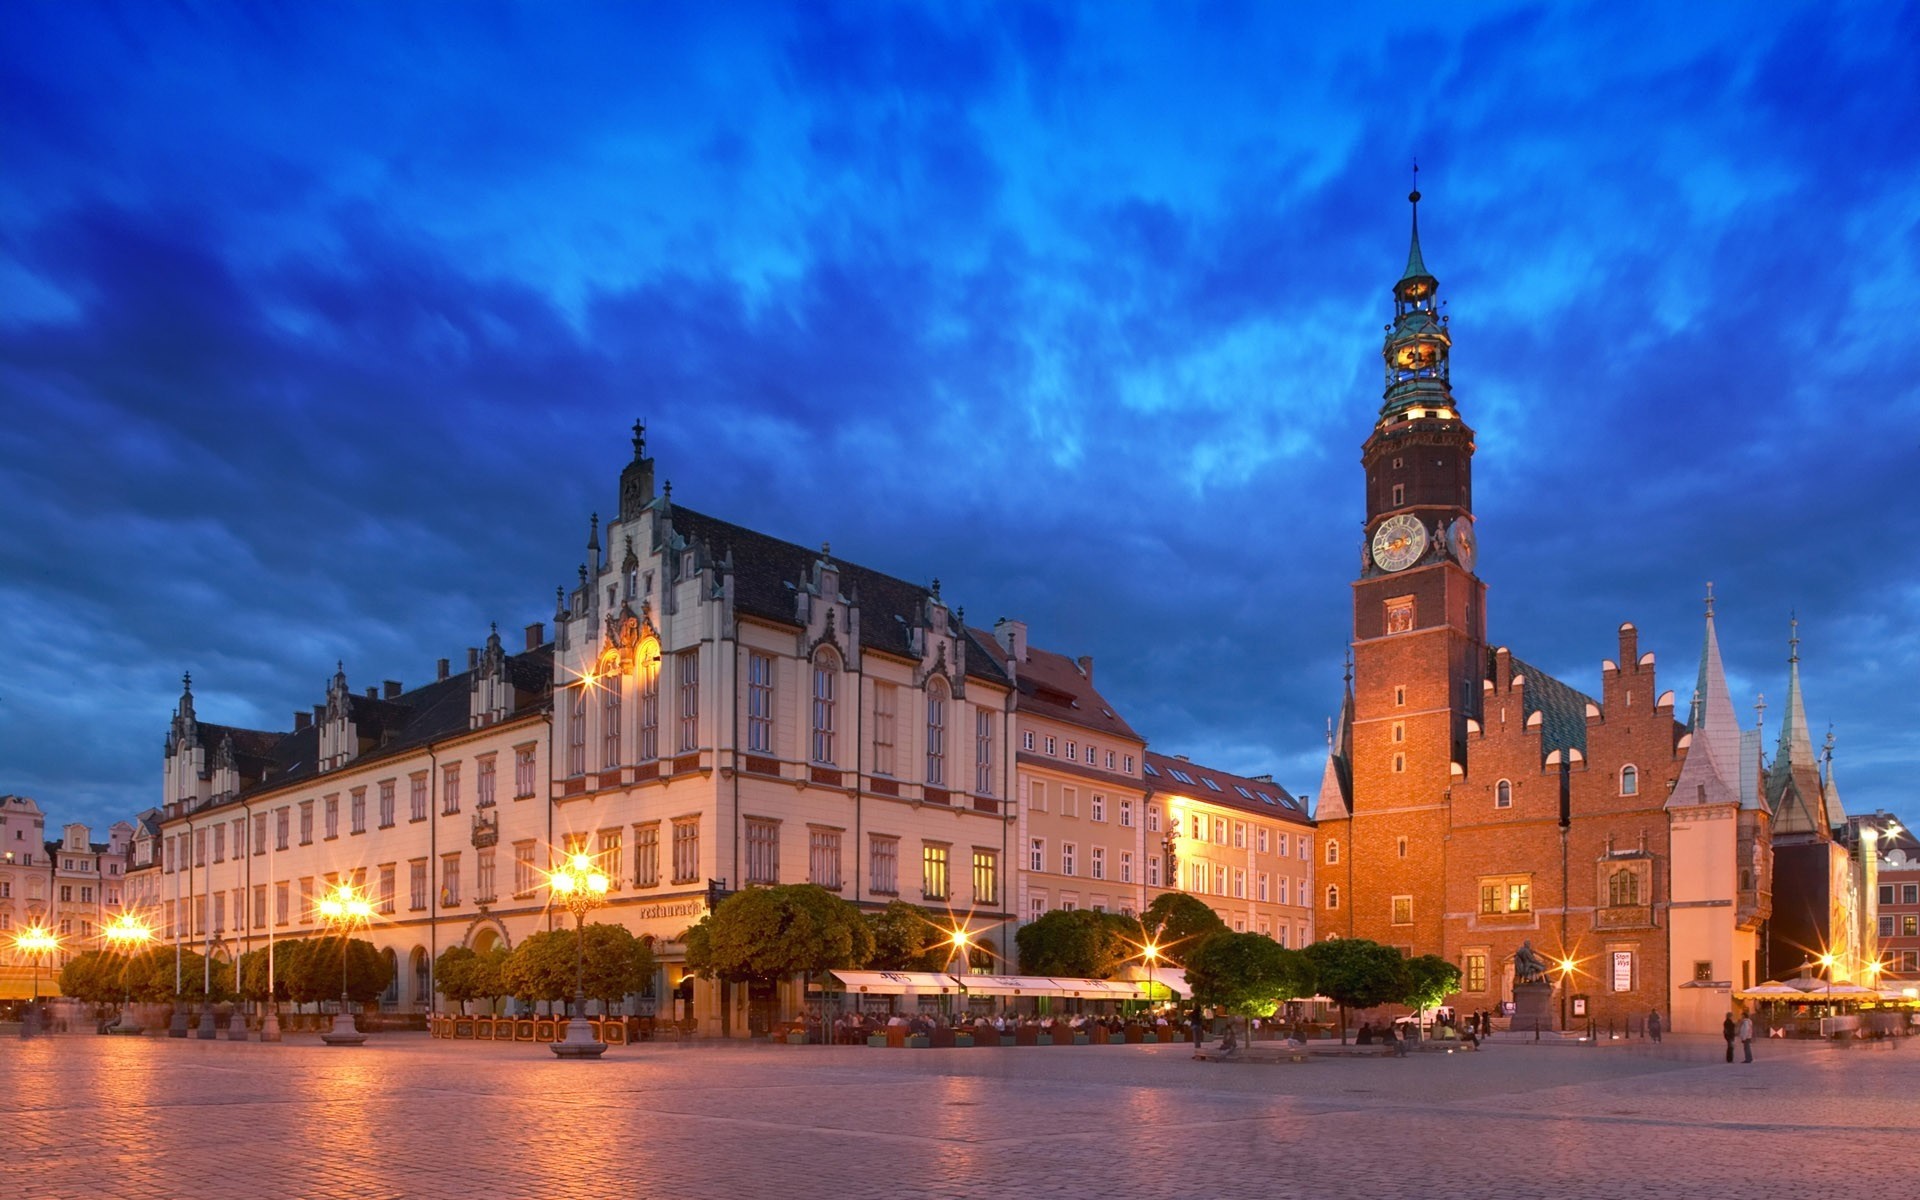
1528,966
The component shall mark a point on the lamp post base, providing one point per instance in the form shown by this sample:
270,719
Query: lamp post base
178,1026
270,1024
579,1042
343,1033
209,1028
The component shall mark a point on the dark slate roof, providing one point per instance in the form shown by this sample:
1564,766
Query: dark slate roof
1267,799
767,573
1562,709
1052,685
426,714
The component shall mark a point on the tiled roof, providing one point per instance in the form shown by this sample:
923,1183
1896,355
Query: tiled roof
1259,796
1562,709
426,714
1052,685
768,571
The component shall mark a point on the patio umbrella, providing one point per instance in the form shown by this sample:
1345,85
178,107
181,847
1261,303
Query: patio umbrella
1773,989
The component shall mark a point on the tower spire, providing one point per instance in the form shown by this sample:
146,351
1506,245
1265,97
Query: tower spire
1417,346
1711,774
1416,265
1794,789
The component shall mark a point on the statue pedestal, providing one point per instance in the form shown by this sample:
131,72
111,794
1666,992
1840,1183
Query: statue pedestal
1532,1007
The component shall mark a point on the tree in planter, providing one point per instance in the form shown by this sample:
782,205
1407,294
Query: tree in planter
540,968
1430,979
309,969
618,964
1176,923
152,975
907,938
1357,973
1078,943
254,973
767,934
454,973
489,975
1247,974
94,977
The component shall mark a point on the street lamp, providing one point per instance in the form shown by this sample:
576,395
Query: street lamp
343,908
582,889
1566,967
35,941
127,934
1151,953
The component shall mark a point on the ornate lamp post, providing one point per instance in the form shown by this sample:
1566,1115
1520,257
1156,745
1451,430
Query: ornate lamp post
582,889
34,941
1151,953
1566,967
127,934
344,908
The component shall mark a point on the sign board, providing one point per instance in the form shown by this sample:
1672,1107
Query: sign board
1623,970
1579,1006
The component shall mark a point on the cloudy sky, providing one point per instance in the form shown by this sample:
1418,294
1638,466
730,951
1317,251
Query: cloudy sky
323,326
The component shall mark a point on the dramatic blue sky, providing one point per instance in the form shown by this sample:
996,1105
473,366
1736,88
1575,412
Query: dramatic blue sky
323,326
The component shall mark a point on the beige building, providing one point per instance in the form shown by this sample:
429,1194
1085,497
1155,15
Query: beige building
1243,845
71,887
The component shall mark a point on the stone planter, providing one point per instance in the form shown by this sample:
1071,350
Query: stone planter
1043,1039
963,1039
1081,1039
1149,1039
796,1039
1007,1039
877,1039
917,1041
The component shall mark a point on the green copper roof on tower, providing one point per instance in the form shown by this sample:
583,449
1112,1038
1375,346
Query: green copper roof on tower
1416,265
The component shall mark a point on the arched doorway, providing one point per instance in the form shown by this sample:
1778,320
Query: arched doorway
422,998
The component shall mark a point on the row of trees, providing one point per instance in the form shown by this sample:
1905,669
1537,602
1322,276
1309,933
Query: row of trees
541,967
305,970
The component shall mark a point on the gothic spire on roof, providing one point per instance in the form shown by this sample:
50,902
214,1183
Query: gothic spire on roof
1711,773
1794,791
639,440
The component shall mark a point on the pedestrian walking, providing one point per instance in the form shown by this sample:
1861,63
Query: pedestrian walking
1653,1025
1729,1031
1746,1036
1198,1023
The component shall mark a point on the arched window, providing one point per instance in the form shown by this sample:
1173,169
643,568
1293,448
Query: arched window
1629,781
1623,888
937,732
826,681
1333,896
1333,851
610,722
649,673
1503,794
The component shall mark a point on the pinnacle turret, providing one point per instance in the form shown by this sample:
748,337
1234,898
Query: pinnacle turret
1794,790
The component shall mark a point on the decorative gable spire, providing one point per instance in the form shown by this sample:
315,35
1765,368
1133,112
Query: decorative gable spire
1711,774
1794,791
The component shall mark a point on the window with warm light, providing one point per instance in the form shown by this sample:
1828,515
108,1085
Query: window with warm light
986,878
648,672
933,871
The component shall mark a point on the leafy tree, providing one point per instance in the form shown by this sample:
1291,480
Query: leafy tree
1430,979
290,957
93,977
907,938
1247,974
310,970
489,975
454,974
540,968
151,975
1357,973
769,933
1177,923
1078,943
618,964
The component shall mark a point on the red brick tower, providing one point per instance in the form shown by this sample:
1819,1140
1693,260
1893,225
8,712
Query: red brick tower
1419,637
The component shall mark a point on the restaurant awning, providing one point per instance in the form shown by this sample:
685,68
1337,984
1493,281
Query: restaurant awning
897,983
1164,980
1099,989
1010,985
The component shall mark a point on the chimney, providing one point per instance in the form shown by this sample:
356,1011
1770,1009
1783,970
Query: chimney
302,719
473,658
1086,666
1261,778
441,672
393,689
373,693
1012,635
1183,758
536,635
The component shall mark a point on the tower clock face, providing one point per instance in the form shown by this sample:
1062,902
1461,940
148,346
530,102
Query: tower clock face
1460,539
1399,542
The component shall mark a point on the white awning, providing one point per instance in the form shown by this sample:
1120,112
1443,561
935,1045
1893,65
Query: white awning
1099,989
1170,978
1010,985
897,983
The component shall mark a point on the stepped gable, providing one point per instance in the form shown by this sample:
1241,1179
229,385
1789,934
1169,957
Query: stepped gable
767,572
1562,709
1052,685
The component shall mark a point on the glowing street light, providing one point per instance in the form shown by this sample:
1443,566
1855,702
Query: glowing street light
127,934
1151,953
581,889
343,908
35,941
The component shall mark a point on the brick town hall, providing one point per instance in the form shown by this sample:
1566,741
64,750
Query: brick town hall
1472,802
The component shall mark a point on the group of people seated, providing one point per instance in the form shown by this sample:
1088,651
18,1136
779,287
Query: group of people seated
853,1028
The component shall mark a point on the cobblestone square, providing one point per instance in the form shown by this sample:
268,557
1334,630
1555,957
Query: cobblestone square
405,1116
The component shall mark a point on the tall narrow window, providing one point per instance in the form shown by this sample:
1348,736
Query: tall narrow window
760,703
610,723
986,878
883,865
450,788
884,699
689,700
1503,794
484,783
826,681
522,772
686,850
823,858
386,803
416,797
577,733
649,702
982,752
1629,781
937,733
646,855
933,872
763,851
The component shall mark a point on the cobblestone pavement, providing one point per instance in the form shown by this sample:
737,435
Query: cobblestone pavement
95,1117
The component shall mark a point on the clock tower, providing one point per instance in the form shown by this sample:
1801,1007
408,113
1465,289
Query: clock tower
1419,632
